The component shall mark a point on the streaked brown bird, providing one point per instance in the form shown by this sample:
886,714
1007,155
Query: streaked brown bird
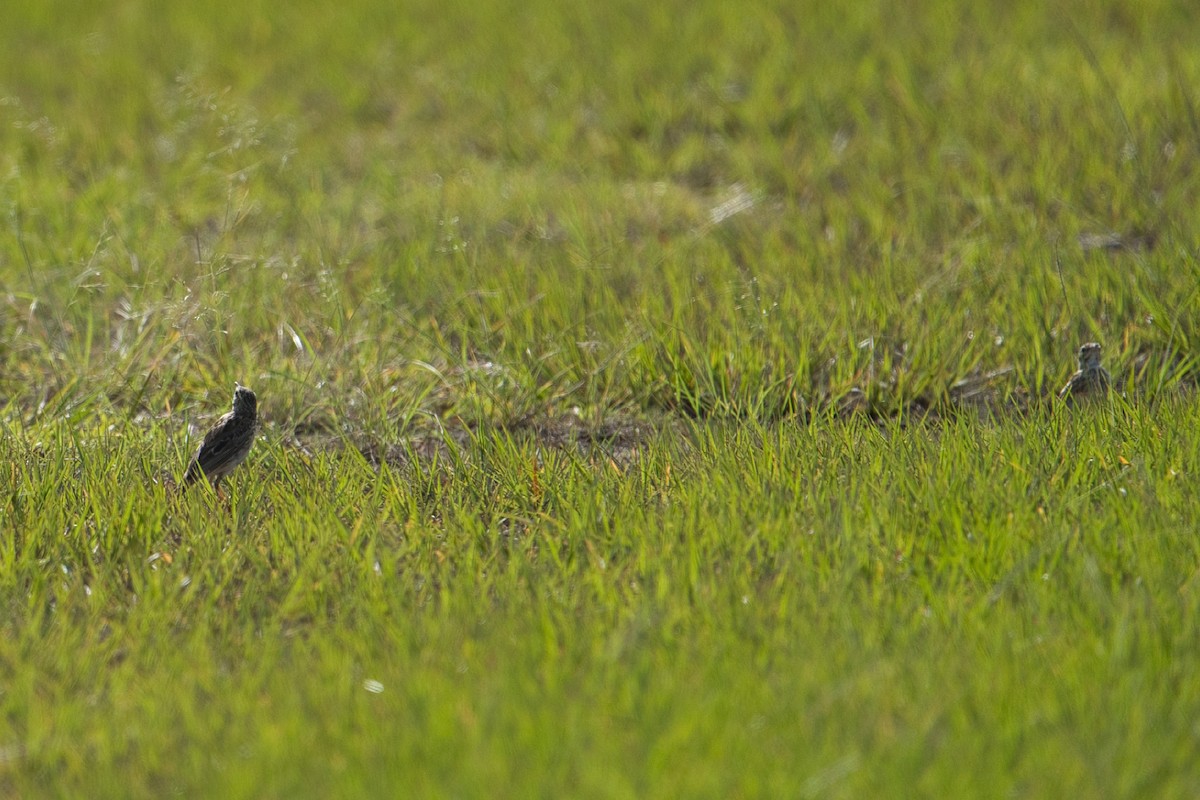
228,443
1091,379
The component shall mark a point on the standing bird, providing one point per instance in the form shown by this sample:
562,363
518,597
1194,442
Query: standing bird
1091,379
228,443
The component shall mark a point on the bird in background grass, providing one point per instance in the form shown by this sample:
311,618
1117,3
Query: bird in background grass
228,443
1091,379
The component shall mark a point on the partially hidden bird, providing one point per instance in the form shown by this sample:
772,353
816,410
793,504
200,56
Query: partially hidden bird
1091,379
228,443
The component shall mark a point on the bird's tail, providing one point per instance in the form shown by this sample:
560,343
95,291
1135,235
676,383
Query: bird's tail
193,474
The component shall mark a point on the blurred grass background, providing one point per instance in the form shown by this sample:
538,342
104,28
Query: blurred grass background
740,210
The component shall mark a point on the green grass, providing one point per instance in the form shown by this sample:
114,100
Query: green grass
553,311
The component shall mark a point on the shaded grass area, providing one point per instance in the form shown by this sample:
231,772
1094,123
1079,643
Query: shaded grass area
657,399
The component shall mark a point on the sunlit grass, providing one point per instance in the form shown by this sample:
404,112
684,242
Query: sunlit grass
890,594
657,401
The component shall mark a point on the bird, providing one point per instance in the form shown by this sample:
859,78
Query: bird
228,443
1091,379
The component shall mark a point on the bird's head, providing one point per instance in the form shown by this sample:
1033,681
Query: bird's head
1089,356
244,401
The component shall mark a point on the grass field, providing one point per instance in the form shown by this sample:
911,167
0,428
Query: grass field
658,400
